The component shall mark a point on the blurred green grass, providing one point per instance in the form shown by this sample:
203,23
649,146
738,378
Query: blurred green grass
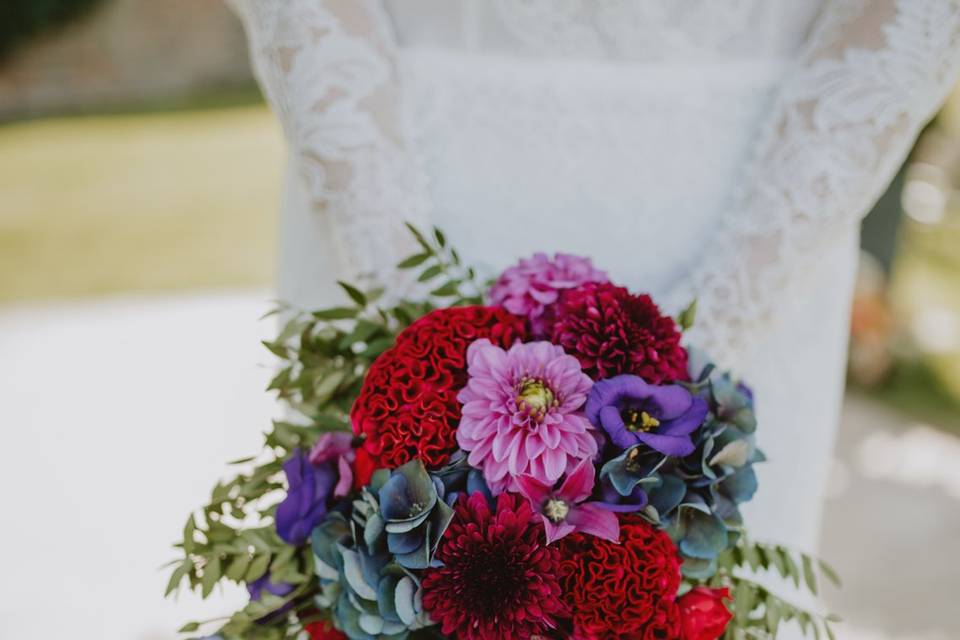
139,202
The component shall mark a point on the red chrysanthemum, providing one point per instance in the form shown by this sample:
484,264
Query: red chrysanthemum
407,407
612,331
622,591
499,581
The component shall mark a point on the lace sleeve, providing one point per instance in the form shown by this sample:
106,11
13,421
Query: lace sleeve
327,68
871,75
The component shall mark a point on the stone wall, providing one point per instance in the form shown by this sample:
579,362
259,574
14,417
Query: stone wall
127,52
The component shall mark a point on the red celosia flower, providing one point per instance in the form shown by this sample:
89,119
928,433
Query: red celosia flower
703,614
407,407
498,580
665,622
612,331
323,630
622,591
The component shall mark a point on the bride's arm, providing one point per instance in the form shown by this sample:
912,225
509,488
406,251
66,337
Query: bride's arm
327,68
872,74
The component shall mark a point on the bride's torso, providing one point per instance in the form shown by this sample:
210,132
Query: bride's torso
615,129
630,163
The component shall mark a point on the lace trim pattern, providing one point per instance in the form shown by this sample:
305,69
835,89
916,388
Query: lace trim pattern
327,68
843,124
870,76
647,30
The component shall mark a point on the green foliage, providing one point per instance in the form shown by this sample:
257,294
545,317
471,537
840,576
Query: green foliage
758,613
20,20
687,317
323,357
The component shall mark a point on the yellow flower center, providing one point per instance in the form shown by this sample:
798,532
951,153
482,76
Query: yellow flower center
535,397
640,421
556,510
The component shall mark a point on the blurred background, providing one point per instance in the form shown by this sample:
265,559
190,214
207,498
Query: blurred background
140,175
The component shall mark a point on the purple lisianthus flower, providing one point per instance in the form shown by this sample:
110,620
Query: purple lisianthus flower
263,583
563,510
308,488
337,445
533,284
634,412
613,501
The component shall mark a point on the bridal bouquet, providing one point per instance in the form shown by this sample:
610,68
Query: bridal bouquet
542,458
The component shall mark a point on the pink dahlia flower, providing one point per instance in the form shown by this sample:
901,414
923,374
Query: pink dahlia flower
521,413
535,283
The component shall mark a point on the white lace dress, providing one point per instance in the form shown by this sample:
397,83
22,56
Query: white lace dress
718,149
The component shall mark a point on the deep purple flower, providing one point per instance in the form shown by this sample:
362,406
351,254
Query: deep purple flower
308,488
634,412
613,501
562,511
263,583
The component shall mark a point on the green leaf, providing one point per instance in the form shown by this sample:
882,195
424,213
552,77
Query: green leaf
257,568
336,313
773,558
419,237
177,576
188,542
414,261
189,627
809,576
772,614
743,599
211,574
276,348
355,294
238,568
791,567
362,332
376,347
451,288
688,316
441,239
328,385
831,575
430,273
752,556
244,460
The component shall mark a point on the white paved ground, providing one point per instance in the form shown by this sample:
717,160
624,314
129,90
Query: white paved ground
117,416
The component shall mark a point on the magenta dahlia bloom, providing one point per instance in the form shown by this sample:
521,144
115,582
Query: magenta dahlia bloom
521,413
535,283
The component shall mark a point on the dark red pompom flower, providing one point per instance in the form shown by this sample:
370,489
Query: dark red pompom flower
622,591
703,614
499,581
407,407
612,331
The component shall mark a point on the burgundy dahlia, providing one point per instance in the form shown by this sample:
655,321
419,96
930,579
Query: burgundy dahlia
498,579
612,331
